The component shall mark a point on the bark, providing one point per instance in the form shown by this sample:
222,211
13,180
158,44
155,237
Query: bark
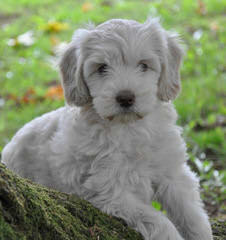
31,212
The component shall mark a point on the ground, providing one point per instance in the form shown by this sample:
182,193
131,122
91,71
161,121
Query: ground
29,82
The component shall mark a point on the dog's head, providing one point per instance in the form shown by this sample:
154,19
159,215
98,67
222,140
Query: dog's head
122,67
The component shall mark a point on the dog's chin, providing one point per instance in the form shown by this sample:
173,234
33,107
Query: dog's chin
124,117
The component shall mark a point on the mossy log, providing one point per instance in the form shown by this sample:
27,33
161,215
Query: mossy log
30,211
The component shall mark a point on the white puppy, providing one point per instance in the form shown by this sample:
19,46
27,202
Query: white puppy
121,148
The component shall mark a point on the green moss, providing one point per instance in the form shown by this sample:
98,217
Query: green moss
6,231
219,229
29,211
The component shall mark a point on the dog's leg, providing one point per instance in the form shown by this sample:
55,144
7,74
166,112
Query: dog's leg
152,224
180,197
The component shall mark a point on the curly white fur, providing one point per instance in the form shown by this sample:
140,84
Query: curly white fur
118,159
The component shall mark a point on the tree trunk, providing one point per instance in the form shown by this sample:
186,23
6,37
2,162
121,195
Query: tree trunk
29,211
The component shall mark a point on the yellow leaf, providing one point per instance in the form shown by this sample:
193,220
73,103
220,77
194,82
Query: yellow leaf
86,7
54,26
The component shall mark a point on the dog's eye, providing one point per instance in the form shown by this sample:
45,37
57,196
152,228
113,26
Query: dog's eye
102,68
143,67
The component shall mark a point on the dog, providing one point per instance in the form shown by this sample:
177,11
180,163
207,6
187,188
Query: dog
116,142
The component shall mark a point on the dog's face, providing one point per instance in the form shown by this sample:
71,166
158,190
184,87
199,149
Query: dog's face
123,67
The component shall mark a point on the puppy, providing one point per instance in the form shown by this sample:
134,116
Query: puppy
116,143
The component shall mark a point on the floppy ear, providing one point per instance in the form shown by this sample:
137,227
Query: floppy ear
169,81
76,91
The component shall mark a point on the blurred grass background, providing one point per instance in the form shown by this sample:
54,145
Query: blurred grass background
30,30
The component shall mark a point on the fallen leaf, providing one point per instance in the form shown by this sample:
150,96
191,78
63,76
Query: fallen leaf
12,97
29,96
55,92
201,10
55,26
87,6
54,40
214,26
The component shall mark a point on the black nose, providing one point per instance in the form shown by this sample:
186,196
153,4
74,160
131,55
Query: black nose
125,98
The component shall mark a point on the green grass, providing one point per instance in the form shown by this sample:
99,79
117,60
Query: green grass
201,105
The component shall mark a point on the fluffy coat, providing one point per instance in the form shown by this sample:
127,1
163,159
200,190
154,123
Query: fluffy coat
120,159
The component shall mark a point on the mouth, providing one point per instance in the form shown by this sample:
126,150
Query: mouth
125,116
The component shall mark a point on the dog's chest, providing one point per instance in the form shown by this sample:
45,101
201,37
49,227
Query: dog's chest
121,159
131,141
134,144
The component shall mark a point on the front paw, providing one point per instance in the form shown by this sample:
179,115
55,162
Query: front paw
165,231
166,235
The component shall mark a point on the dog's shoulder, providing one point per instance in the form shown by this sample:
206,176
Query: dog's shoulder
36,132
